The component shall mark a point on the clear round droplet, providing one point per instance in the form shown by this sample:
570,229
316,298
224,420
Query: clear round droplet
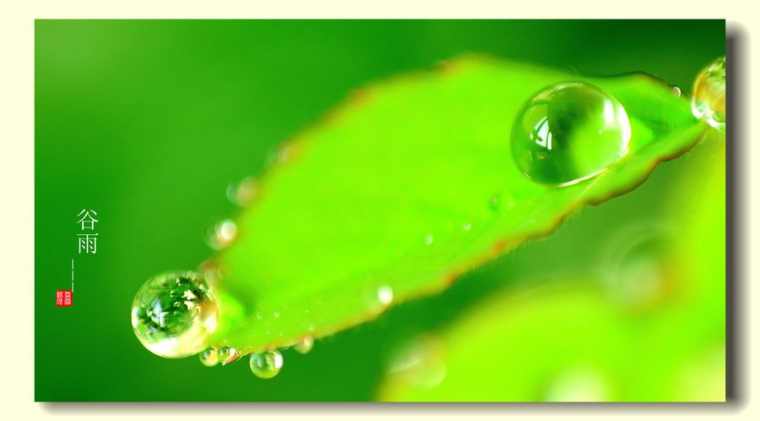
174,314
305,345
209,357
569,132
267,364
385,295
227,355
223,234
708,100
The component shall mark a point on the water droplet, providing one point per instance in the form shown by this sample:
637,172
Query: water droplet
708,101
228,355
385,295
676,90
494,202
638,273
569,132
209,357
429,239
242,194
223,234
173,314
304,345
267,364
467,227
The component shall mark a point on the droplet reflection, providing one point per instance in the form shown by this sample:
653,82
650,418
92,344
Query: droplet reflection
174,314
569,132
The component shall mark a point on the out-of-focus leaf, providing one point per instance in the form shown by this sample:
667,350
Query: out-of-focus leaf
572,341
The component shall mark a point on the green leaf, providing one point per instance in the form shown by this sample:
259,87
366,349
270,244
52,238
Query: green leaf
407,186
575,340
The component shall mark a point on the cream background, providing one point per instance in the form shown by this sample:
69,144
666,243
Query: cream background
17,198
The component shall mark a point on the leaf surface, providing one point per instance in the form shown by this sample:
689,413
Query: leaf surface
406,186
615,337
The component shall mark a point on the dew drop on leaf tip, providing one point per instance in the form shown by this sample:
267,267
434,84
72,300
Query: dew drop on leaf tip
569,132
223,234
708,101
173,314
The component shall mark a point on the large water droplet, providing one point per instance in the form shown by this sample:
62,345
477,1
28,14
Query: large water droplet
267,364
708,101
173,314
209,357
305,345
569,132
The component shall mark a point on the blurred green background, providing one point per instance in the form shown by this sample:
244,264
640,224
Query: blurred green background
148,122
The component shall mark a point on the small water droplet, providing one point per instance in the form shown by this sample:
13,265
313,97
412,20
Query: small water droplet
494,202
267,364
276,314
242,193
228,355
569,132
676,90
639,274
223,234
173,314
429,239
304,345
385,295
209,357
467,227
708,101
